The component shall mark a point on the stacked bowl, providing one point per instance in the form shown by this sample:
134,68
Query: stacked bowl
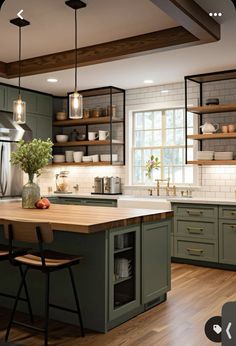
69,156
205,155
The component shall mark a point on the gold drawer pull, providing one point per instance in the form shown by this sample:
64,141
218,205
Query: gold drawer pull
233,213
195,213
195,230
233,226
195,252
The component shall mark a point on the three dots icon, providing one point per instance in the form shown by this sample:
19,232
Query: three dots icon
215,14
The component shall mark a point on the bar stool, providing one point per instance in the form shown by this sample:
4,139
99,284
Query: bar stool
4,256
46,261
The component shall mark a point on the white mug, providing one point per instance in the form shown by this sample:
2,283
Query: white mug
103,135
77,155
92,136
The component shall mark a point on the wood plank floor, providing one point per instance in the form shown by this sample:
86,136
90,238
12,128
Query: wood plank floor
197,294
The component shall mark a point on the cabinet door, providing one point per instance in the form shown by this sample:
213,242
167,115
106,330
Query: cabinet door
227,242
155,260
3,97
44,127
44,104
124,291
31,121
70,201
100,202
31,100
12,95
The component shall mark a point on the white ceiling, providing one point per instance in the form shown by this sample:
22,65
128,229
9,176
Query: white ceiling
162,67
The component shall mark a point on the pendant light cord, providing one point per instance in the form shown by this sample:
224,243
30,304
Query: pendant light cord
76,59
19,74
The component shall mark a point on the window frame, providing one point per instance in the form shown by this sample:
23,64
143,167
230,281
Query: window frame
130,140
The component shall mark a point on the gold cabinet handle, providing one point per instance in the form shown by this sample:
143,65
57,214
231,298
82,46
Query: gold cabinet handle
195,252
233,226
233,213
195,230
195,213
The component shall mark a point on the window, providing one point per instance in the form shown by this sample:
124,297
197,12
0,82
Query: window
161,133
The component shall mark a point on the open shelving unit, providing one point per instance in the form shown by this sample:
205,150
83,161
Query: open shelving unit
106,98
201,110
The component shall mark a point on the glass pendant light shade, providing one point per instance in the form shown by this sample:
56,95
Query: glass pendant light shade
75,106
19,111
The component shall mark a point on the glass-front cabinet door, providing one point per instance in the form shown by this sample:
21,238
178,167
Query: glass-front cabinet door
124,271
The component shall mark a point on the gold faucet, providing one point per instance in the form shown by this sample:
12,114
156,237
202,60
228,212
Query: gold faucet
158,185
169,189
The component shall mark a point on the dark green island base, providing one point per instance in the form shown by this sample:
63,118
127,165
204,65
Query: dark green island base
105,300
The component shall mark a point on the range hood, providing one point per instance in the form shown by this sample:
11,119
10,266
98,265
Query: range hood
10,131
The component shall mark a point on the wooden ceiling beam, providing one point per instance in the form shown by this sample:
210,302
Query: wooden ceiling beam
3,69
100,53
192,17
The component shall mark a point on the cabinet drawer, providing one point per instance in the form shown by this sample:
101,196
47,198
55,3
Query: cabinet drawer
200,251
100,202
196,210
200,229
226,212
227,241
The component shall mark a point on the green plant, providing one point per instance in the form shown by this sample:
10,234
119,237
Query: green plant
152,163
33,156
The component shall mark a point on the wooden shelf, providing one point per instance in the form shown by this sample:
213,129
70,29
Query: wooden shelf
122,280
213,136
123,250
103,163
88,121
213,109
84,143
212,162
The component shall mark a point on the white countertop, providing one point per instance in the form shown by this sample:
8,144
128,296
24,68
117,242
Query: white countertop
202,200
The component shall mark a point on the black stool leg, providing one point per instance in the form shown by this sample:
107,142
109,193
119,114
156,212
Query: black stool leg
27,296
47,287
76,301
15,304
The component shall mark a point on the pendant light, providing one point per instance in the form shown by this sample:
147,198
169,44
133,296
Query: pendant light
75,99
19,106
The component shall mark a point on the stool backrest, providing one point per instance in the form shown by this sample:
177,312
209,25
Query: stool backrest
26,231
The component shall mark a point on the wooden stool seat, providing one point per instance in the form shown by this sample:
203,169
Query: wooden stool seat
52,259
4,252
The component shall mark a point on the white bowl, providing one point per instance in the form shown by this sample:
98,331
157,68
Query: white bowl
107,157
86,158
58,158
61,116
62,138
95,158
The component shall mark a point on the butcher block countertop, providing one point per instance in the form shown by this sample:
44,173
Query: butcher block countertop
83,219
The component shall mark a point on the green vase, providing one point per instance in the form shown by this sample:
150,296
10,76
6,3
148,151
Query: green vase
30,193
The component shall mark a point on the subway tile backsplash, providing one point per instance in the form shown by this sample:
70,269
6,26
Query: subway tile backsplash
213,181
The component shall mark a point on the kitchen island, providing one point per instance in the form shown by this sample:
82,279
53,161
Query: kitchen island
102,236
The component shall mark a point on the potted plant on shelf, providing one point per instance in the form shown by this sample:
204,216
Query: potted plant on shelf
151,164
31,158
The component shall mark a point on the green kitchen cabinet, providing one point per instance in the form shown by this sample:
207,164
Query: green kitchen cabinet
12,95
44,104
227,241
40,125
156,248
30,98
124,293
3,98
196,249
99,202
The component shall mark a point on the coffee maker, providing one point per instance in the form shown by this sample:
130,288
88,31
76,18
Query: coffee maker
107,185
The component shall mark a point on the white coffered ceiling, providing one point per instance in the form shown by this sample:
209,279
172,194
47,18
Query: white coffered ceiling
104,20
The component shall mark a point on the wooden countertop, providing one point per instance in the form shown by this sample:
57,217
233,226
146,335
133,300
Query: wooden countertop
83,219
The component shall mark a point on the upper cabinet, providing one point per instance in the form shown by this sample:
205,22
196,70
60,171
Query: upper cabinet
3,97
38,108
210,99
101,131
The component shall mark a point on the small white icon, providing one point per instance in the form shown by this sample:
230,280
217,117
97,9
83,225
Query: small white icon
217,328
19,14
227,330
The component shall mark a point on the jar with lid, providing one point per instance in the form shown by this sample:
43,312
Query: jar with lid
62,183
73,135
97,112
